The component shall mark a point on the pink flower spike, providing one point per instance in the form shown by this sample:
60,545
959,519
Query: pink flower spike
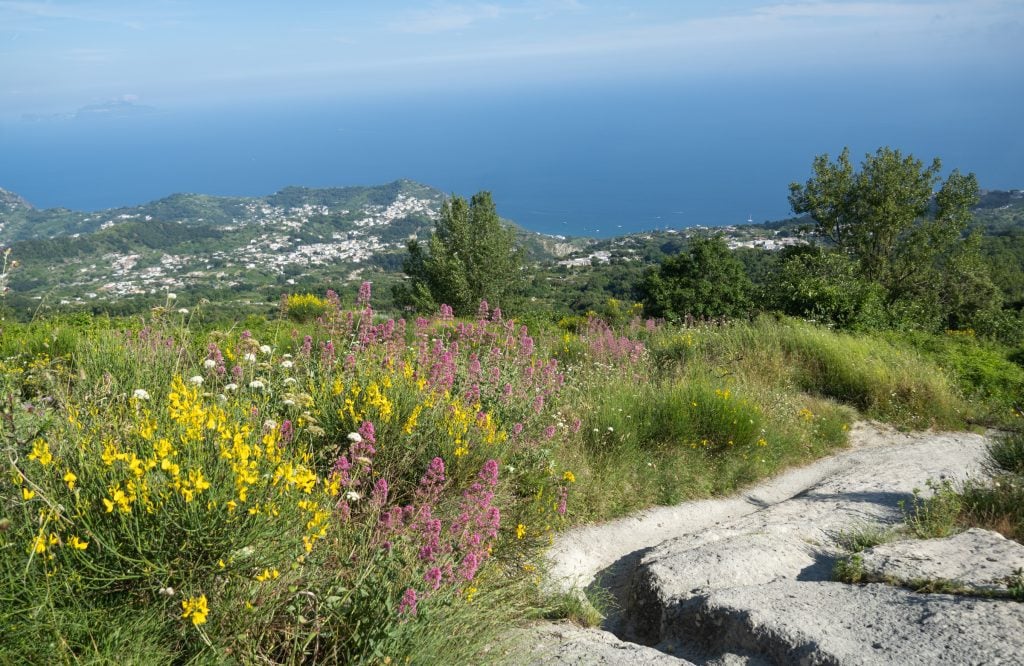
380,492
407,606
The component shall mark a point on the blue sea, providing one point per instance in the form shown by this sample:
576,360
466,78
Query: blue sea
576,160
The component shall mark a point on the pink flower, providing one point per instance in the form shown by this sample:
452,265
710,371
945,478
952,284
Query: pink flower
470,564
363,299
380,492
407,606
433,576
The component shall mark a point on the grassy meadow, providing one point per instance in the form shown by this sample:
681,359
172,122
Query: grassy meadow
336,485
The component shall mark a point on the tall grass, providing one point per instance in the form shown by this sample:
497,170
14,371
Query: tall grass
355,489
880,379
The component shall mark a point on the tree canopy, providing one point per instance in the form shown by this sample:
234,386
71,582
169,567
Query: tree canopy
902,234
470,256
706,280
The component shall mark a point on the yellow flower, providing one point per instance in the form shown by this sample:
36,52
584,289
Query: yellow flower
410,424
77,544
762,442
268,574
70,478
27,494
470,593
520,531
41,452
569,476
196,608
39,544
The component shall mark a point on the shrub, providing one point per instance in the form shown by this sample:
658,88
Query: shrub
304,307
252,505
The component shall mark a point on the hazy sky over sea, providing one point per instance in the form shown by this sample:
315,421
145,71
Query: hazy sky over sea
61,55
840,68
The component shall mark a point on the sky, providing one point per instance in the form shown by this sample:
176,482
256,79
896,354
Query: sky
59,56
580,116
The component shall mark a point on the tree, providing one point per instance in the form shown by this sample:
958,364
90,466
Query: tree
704,281
825,286
470,256
902,234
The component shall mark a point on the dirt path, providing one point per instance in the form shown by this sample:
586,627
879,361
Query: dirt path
721,581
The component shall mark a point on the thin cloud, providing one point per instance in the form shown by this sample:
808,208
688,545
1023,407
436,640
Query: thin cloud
46,10
446,18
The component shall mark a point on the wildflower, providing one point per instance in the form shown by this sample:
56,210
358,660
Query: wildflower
77,544
140,394
353,496
611,429
166,591
195,380
231,387
520,531
41,452
470,564
209,364
380,492
470,593
355,437
249,357
171,295
290,381
563,501
287,364
368,433
433,576
569,476
27,494
268,574
265,349
363,299
196,608
256,384
408,604
70,478
183,311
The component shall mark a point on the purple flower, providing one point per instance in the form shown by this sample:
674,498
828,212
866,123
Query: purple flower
489,472
380,492
470,564
549,432
433,576
407,606
363,299
433,480
368,432
287,431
